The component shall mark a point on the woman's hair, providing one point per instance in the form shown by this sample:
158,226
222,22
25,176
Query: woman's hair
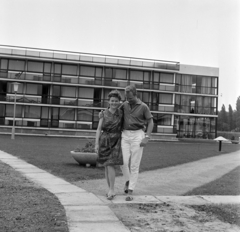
115,93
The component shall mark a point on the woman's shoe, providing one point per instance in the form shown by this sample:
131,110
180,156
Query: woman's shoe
111,197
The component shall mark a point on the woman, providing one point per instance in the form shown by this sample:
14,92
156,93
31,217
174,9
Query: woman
108,140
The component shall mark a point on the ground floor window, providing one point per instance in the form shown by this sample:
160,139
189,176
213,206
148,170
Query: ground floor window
195,127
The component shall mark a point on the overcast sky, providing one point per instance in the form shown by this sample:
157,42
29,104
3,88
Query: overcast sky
196,32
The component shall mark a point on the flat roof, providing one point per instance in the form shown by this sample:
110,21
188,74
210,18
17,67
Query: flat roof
88,57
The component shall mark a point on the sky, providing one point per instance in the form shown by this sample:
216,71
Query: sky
194,32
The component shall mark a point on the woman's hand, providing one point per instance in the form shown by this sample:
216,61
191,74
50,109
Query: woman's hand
100,115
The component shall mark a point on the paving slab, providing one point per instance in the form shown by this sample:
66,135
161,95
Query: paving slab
90,213
222,199
29,170
188,200
83,198
120,199
20,165
44,178
63,188
98,227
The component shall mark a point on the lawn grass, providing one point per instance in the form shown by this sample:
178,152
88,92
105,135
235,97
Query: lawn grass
228,184
53,154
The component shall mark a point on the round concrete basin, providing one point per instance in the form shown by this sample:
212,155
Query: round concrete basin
84,158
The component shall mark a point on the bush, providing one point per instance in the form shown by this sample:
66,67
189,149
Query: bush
89,147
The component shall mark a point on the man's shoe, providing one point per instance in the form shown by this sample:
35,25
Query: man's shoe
126,187
129,196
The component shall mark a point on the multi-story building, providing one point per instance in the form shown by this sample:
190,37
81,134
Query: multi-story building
61,93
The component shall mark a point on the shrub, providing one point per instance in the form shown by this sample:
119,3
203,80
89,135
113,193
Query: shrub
89,147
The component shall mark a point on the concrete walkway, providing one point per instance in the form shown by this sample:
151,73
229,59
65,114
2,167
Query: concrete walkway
88,212
85,212
172,181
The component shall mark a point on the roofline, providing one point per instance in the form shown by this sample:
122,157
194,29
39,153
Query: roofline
101,58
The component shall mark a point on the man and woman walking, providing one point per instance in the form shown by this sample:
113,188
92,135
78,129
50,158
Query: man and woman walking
120,138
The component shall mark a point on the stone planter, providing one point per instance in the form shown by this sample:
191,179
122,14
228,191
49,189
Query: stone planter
85,158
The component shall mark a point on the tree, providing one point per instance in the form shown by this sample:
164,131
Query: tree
230,118
222,123
238,114
224,114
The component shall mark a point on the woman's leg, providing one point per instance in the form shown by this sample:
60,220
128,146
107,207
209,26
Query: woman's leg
106,176
111,177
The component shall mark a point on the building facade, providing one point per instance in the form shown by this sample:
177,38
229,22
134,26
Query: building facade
62,93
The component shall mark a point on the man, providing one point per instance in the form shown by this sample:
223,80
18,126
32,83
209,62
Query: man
134,139
136,114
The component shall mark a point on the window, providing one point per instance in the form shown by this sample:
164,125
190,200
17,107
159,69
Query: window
68,91
56,90
44,113
35,66
120,74
146,76
56,94
18,65
192,106
165,98
86,93
164,119
136,75
156,77
57,69
34,89
87,71
69,69
54,117
32,112
166,77
214,82
98,72
67,114
144,96
11,90
178,79
108,72
4,63
84,115
2,110
9,111
95,119
47,67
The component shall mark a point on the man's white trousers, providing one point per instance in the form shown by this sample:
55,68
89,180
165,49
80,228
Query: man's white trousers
132,152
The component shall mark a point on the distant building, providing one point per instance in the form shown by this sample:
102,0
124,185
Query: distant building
61,93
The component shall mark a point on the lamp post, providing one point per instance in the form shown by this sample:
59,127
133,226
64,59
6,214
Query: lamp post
15,89
220,139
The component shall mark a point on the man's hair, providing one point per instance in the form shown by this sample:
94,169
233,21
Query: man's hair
115,93
131,88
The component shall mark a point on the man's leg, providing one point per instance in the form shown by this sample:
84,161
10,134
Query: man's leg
136,156
126,156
